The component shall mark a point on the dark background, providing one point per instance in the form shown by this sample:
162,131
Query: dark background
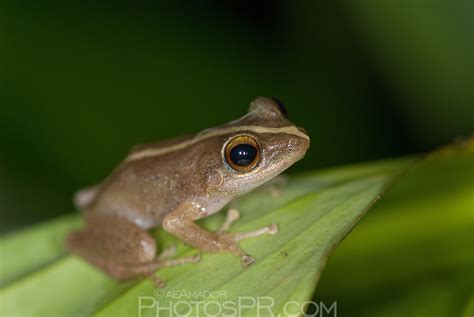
83,82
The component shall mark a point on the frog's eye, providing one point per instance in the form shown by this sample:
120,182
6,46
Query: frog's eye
242,153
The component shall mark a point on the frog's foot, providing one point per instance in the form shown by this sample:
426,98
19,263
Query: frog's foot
271,229
180,261
167,253
158,282
231,240
180,223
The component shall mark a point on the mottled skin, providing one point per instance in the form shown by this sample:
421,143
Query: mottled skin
173,183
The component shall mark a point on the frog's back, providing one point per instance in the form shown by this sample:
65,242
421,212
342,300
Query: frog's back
143,189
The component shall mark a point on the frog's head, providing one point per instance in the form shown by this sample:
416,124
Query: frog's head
254,148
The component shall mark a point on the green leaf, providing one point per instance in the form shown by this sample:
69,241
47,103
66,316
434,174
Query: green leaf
412,255
314,213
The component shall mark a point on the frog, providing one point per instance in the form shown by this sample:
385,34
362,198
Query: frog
171,184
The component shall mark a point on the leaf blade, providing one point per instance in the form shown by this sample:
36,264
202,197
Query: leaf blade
314,212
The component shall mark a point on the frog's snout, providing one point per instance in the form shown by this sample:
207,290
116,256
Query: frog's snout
302,130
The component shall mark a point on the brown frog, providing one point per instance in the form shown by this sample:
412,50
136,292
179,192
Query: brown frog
173,183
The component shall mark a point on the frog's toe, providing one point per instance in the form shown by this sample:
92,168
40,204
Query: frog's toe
156,281
167,253
195,258
273,228
247,260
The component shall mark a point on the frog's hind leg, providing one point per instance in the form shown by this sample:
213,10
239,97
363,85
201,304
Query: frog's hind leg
166,253
161,261
148,269
120,248
112,243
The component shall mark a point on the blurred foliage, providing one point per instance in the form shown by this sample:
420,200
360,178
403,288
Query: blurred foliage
82,82
412,254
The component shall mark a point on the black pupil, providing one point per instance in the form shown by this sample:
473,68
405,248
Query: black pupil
243,154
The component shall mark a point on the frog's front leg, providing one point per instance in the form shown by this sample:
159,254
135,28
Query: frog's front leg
180,222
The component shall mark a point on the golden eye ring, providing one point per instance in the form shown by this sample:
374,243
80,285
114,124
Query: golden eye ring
242,153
